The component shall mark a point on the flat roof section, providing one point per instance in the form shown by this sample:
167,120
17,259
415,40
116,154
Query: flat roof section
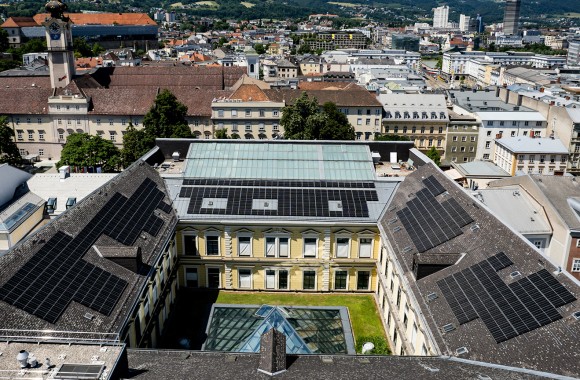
291,161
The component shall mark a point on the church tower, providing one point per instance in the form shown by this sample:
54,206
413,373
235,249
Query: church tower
61,59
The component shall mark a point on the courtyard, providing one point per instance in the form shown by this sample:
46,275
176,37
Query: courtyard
187,323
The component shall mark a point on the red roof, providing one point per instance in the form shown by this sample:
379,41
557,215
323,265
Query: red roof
19,22
103,18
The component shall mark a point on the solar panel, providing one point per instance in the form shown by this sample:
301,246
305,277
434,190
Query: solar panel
430,223
57,274
307,199
506,310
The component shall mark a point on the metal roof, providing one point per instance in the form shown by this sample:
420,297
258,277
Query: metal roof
532,145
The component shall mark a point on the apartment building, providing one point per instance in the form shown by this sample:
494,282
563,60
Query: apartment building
421,117
531,155
461,139
497,119
336,39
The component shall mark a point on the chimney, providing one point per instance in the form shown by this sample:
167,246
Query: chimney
272,353
542,89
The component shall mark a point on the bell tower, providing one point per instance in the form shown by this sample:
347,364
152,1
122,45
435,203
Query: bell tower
61,59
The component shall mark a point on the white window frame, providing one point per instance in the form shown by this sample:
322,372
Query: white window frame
277,238
248,236
309,236
576,265
251,286
196,240
370,278
360,238
276,271
334,279
348,247
212,234
304,270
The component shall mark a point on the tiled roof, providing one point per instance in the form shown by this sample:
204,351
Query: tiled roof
249,92
103,18
19,22
347,97
534,349
305,85
31,101
68,228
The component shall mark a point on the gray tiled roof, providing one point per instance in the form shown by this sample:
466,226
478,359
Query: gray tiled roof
551,348
162,364
71,224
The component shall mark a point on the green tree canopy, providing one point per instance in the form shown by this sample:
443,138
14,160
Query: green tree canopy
221,133
8,150
260,48
166,119
3,40
433,154
304,120
392,138
84,150
134,145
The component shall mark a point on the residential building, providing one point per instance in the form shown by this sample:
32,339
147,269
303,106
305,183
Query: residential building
573,58
423,118
558,197
464,22
531,155
336,39
511,18
497,119
461,139
441,16
312,66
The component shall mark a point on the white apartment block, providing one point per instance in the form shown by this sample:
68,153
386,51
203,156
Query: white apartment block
530,155
441,16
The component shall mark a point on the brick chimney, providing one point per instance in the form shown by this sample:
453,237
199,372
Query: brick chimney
272,353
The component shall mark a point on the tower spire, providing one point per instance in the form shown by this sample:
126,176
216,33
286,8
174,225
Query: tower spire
59,43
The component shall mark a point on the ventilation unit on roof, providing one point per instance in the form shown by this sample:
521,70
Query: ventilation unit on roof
391,221
475,227
576,315
515,274
432,297
397,229
461,350
448,328
89,316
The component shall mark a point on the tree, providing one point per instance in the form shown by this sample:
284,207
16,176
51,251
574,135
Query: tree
304,120
260,49
83,150
166,119
434,155
221,133
134,145
304,49
392,138
8,150
3,40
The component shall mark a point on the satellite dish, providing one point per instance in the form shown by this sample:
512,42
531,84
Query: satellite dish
368,346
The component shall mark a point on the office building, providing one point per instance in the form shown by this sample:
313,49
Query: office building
464,22
511,17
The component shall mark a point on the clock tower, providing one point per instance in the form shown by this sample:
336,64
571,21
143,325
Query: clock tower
61,59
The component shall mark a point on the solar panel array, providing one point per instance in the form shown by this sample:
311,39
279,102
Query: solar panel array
294,198
430,223
506,310
57,274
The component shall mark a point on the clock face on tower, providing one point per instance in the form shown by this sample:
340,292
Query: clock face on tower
54,30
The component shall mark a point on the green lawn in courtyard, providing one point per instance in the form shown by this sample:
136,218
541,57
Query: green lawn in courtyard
364,316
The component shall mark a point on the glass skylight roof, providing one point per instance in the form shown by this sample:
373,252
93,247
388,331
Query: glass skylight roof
18,216
308,330
348,162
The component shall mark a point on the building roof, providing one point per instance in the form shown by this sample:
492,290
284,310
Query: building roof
516,209
165,364
73,288
12,178
482,169
18,22
557,191
279,180
511,116
18,211
103,18
354,96
78,185
532,145
479,308
418,106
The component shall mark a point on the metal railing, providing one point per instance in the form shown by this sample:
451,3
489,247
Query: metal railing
58,336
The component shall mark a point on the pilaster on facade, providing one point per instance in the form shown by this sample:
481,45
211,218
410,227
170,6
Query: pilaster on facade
326,246
228,275
325,277
228,241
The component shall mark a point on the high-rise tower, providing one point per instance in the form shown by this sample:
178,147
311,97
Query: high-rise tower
59,43
511,17
440,17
